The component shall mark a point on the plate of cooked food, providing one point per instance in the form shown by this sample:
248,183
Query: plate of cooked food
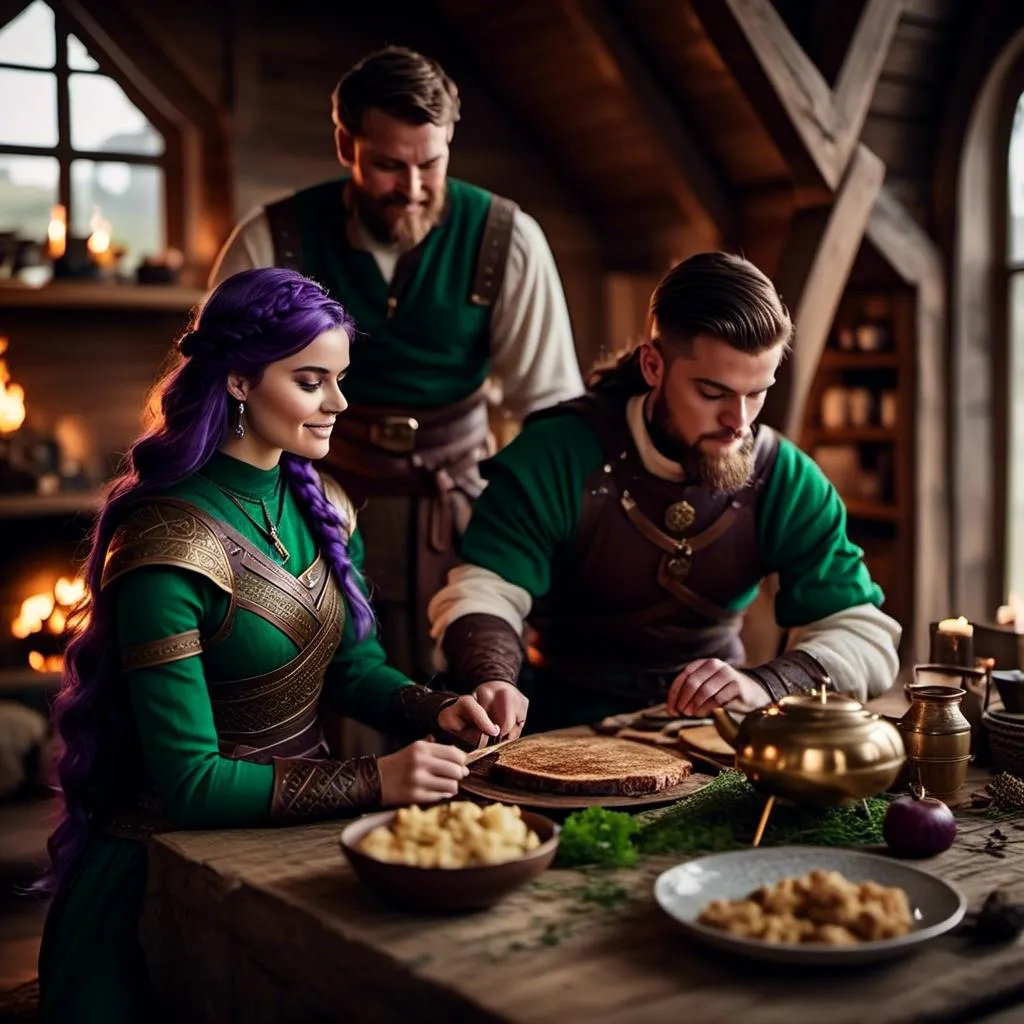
809,904
570,772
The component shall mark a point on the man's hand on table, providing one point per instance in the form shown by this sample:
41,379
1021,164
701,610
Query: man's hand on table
710,683
506,704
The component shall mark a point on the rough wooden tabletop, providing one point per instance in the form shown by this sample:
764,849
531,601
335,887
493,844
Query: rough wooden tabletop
272,925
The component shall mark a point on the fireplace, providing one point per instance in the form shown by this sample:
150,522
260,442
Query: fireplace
42,622
80,359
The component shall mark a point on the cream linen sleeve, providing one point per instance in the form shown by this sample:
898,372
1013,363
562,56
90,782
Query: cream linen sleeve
471,590
250,245
531,337
858,647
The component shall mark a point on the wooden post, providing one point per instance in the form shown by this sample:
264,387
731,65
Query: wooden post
913,255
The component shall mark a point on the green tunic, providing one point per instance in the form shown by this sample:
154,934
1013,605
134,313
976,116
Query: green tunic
431,346
524,529
91,966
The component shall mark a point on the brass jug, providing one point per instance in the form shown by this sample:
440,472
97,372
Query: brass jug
821,748
937,738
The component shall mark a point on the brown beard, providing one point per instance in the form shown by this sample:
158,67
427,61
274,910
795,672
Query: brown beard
722,474
409,229
726,474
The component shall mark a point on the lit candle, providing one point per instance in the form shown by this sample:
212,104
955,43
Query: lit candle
957,627
57,232
953,642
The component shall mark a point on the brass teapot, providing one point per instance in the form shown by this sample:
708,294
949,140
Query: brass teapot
819,748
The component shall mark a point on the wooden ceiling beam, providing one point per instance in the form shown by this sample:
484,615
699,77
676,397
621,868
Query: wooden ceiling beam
816,129
861,67
820,248
697,184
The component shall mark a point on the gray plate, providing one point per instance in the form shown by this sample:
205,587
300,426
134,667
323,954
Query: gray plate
683,892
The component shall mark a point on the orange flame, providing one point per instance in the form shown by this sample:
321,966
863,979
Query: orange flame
48,613
12,397
98,243
57,232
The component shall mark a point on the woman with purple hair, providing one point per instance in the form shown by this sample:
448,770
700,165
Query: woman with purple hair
226,607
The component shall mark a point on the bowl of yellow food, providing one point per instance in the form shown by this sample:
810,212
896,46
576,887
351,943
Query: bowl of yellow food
449,857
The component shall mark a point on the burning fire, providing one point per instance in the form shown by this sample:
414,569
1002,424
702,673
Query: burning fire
98,243
12,397
48,613
57,232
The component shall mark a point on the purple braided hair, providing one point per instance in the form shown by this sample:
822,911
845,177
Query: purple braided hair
252,319
331,534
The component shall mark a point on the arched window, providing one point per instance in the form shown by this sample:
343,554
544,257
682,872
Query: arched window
1015,296
71,135
1015,352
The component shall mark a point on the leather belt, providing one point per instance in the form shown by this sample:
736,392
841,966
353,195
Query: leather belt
405,431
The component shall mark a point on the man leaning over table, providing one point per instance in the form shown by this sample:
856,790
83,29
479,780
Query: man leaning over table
633,526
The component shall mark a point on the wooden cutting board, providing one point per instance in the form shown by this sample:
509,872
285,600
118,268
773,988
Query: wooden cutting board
478,783
703,741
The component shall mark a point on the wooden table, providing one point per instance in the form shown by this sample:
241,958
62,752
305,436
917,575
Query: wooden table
273,926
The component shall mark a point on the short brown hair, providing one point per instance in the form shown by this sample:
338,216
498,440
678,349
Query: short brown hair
714,293
723,296
402,83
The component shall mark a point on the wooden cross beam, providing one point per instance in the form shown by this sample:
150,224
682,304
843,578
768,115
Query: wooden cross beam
697,185
820,248
815,128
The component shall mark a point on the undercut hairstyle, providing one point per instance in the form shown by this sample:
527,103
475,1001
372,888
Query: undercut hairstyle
716,294
402,83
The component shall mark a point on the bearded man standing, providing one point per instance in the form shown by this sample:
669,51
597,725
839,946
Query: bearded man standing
448,285
632,527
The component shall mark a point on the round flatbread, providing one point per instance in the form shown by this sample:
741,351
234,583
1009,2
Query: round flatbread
588,765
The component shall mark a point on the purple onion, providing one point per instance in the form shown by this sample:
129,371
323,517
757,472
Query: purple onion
918,825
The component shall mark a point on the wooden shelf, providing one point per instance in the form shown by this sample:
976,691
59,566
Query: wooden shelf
31,506
100,295
856,435
856,509
832,360
12,679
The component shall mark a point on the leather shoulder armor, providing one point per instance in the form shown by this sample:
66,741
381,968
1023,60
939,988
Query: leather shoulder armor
167,534
342,503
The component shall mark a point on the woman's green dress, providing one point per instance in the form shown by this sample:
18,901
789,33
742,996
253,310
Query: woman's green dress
225,662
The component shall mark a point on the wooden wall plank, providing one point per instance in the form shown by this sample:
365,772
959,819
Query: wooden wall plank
694,180
819,252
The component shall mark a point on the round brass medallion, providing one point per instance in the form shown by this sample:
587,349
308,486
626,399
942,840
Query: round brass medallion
679,516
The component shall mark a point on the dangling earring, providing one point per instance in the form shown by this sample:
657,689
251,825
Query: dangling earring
240,426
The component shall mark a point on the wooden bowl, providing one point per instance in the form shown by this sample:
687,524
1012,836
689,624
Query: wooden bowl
447,890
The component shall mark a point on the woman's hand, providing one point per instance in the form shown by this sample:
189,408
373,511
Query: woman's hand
466,720
506,705
421,773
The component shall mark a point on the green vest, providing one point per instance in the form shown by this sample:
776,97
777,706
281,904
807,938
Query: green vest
434,350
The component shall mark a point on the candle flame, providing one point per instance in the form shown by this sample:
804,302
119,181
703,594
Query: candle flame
57,232
98,242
